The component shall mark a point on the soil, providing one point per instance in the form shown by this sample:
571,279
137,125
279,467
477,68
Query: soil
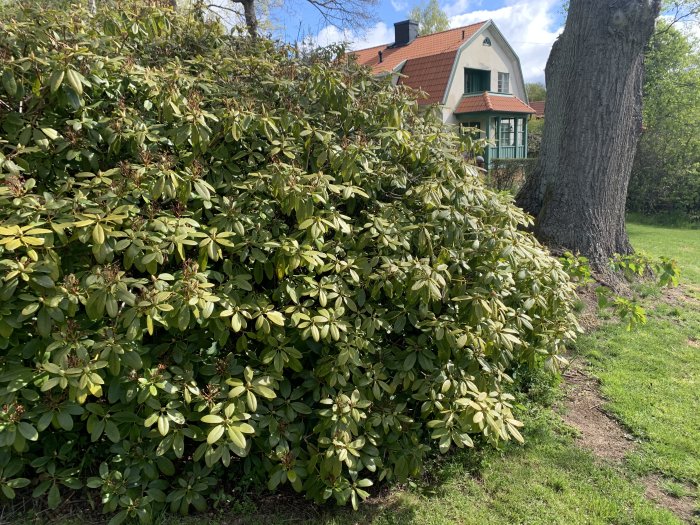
683,507
584,410
588,316
604,436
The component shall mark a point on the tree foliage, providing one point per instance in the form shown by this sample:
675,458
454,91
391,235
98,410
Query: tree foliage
666,172
220,260
535,91
535,127
430,17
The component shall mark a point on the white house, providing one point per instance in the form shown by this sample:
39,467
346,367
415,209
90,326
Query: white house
471,73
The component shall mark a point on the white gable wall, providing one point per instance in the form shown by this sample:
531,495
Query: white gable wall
496,58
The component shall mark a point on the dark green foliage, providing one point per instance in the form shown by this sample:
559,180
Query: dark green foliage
666,174
535,127
509,174
222,261
536,91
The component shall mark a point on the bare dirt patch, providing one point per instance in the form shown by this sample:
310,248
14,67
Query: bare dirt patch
584,411
683,507
588,316
681,295
607,439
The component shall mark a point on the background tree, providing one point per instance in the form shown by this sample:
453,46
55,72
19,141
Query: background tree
534,136
341,13
535,91
594,76
430,17
666,171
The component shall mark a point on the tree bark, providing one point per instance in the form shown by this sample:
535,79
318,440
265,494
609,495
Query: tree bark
251,19
593,121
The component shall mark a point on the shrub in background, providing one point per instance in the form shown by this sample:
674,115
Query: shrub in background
221,260
509,174
535,128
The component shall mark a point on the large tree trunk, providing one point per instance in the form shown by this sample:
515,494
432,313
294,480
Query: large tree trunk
251,19
592,124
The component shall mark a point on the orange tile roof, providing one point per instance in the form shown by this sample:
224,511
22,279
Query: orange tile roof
423,46
492,102
538,106
430,74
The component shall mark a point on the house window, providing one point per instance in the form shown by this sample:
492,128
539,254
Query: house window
504,82
521,132
506,134
476,80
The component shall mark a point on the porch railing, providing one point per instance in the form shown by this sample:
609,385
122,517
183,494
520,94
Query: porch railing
507,152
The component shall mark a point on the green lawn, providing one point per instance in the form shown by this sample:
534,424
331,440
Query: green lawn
651,377
680,244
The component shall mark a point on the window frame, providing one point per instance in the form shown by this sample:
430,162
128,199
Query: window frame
504,82
506,132
483,76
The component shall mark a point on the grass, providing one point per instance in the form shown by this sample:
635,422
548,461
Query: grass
652,374
680,244
651,377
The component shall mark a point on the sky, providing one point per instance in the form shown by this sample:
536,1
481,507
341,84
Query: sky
530,26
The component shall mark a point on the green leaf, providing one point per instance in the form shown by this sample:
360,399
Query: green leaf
112,432
275,317
54,498
236,437
56,79
43,280
163,425
18,483
95,305
9,82
65,420
212,418
118,518
43,323
50,133
98,234
8,491
28,431
215,434
178,445
74,80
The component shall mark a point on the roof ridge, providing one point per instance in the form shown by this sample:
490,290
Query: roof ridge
424,36
487,98
453,29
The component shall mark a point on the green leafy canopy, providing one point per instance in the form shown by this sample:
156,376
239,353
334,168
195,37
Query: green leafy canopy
224,260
